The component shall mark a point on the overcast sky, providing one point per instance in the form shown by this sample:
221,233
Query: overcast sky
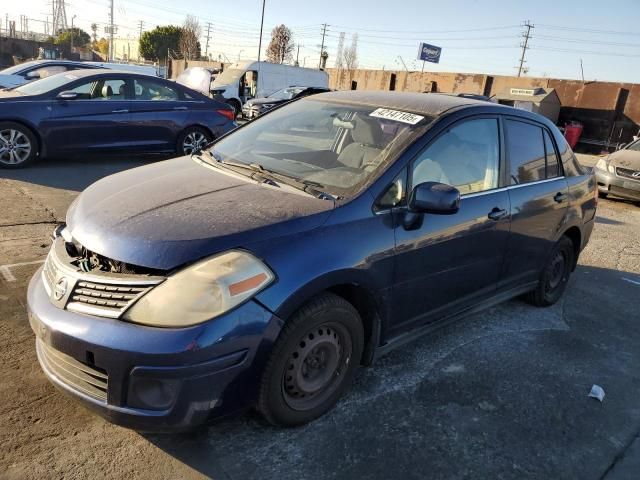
476,36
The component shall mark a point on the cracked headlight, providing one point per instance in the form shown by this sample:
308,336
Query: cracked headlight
202,291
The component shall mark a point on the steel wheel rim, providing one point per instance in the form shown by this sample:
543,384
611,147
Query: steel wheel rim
556,271
15,146
315,368
193,142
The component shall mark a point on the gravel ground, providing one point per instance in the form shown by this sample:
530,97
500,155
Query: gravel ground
502,394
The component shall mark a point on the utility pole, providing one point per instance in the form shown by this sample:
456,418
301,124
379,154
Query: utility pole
298,56
206,48
261,25
525,46
111,29
582,70
324,32
140,27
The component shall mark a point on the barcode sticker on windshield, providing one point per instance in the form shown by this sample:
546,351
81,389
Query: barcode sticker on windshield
398,116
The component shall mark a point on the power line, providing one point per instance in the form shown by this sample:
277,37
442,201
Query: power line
586,30
422,32
526,35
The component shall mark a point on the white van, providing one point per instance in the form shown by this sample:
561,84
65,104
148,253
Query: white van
243,81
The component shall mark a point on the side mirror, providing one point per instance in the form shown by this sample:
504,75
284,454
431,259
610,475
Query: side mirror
67,95
434,197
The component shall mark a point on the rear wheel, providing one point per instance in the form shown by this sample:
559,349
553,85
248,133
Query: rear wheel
192,140
555,275
313,361
18,145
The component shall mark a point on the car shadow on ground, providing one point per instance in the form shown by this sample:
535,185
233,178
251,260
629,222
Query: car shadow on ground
76,174
500,394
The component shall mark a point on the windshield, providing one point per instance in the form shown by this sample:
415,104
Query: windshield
635,146
17,68
337,147
286,93
46,84
228,77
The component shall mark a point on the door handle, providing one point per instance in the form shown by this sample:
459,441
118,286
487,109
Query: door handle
124,110
497,214
179,108
560,197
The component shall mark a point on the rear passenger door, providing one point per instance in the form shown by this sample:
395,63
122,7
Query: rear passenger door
539,196
159,113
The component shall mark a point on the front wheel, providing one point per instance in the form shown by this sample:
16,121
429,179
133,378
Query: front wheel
312,363
18,145
192,140
555,276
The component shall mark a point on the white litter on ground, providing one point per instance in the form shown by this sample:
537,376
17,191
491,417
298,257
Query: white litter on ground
597,392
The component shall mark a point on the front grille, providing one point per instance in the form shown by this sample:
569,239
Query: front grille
49,274
101,294
87,379
109,299
628,173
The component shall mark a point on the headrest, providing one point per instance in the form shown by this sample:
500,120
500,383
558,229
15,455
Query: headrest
367,131
107,91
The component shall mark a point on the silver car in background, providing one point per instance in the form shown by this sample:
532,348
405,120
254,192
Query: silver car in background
618,174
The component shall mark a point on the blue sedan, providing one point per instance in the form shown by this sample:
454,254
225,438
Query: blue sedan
90,111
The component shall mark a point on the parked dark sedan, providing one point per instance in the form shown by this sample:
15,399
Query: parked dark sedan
262,272
618,174
259,106
97,111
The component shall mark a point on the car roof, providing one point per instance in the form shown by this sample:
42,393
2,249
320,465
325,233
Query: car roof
422,103
87,72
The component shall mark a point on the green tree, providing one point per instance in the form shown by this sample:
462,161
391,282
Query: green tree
101,46
80,37
155,43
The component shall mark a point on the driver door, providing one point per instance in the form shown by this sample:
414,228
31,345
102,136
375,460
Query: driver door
96,121
448,262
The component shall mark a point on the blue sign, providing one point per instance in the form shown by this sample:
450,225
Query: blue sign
429,53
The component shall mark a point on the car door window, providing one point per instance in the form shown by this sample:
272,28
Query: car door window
45,72
525,146
151,90
552,167
466,156
111,89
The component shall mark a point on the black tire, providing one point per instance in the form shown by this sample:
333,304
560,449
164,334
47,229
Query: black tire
18,145
192,139
603,195
313,362
555,275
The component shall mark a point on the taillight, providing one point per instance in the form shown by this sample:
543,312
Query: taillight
230,114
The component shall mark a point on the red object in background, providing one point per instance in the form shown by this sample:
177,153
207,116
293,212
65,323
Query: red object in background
572,133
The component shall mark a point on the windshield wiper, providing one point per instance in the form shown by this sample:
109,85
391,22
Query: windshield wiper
308,186
255,174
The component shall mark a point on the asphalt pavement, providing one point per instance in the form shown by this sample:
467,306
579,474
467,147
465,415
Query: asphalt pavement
501,394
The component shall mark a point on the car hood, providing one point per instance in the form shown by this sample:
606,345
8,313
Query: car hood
7,81
174,212
625,159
